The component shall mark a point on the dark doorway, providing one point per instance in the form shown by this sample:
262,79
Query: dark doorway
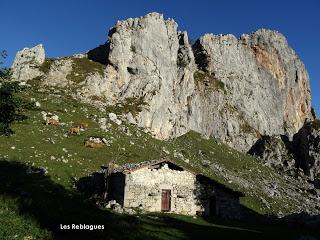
213,206
165,200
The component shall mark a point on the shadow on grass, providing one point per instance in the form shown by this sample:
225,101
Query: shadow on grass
50,204
171,226
212,228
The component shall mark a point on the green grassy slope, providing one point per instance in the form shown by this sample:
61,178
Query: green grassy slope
32,206
54,200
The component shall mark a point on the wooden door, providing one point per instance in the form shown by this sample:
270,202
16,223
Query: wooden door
165,200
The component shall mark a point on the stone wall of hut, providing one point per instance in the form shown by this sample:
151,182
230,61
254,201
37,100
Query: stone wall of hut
143,188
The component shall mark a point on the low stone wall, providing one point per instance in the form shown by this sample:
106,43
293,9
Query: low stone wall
143,189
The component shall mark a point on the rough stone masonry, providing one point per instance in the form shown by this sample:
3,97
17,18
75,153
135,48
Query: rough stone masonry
143,188
161,185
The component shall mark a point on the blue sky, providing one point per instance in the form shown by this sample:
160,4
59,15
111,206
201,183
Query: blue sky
66,27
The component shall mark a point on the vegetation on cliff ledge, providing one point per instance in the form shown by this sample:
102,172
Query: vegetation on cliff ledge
208,81
83,67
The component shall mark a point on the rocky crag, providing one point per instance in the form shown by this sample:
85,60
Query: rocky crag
239,90
299,158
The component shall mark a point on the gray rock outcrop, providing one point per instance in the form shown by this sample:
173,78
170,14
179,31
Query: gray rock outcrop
276,151
266,87
242,87
307,144
146,53
27,62
298,157
57,73
233,89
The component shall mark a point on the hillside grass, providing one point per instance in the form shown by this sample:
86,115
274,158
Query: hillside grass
83,67
32,206
65,156
14,225
54,200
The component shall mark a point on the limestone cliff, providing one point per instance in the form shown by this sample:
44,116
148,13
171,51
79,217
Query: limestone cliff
233,89
26,63
266,87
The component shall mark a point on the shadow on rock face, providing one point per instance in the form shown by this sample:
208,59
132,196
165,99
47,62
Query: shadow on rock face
276,151
100,54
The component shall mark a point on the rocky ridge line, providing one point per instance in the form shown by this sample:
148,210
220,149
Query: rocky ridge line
233,89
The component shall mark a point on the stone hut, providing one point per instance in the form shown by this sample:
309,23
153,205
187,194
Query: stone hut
162,185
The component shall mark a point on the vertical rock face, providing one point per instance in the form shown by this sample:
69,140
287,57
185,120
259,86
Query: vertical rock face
27,62
266,86
233,89
154,62
272,52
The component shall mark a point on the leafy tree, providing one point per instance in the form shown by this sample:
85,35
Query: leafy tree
4,72
12,105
